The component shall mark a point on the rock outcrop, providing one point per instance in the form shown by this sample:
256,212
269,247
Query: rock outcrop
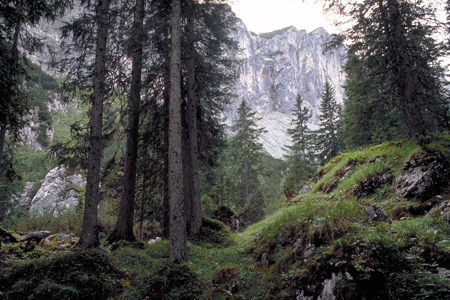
58,242
423,175
59,191
36,236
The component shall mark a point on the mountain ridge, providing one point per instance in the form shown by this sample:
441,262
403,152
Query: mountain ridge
278,66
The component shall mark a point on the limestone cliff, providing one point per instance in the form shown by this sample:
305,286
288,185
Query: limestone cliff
276,67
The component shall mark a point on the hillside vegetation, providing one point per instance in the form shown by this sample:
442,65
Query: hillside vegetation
322,243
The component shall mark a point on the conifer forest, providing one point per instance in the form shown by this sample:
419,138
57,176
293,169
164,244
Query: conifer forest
158,149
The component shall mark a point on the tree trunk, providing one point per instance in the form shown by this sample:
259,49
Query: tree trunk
415,125
2,146
165,191
187,180
196,206
177,232
89,233
124,225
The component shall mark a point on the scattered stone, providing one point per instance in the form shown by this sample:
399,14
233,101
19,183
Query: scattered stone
304,189
328,187
348,276
376,214
340,263
361,226
229,218
298,242
301,296
423,175
369,184
257,237
58,242
152,241
6,237
309,251
264,260
328,287
36,236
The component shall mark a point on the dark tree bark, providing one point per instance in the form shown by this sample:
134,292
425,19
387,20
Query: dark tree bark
187,180
195,207
165,196
403,71
89,233
124,225
177,232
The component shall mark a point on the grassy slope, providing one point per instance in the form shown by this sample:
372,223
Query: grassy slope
406,259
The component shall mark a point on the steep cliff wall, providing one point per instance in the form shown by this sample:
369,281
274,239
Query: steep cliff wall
278,66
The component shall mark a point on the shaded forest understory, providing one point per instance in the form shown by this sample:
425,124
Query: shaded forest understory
324,241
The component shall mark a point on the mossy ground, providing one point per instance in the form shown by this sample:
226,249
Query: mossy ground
295,249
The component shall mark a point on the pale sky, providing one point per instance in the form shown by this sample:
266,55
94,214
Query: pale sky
268,15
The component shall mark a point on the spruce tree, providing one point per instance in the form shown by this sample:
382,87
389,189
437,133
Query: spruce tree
396,44
89,233
246,150
368,116
327,141
125,220
177,231
301,159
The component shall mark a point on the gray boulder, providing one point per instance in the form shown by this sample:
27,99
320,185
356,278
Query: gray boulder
423,175
376,214
35,236
57,192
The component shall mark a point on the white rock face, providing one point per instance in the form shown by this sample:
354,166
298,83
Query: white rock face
54,194
23,199
276,70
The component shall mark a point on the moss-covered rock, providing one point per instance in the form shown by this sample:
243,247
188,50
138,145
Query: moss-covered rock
58,242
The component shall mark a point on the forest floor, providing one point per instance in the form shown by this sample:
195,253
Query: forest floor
356,234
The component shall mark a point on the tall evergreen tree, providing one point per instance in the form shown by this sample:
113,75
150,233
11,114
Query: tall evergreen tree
369,116
214,71
246,150
395,41
89,233
177,231
328,143
301,159
125,219
195,213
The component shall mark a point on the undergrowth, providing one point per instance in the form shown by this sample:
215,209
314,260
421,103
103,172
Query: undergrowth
320,235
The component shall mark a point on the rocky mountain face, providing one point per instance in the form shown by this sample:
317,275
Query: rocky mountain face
276,68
